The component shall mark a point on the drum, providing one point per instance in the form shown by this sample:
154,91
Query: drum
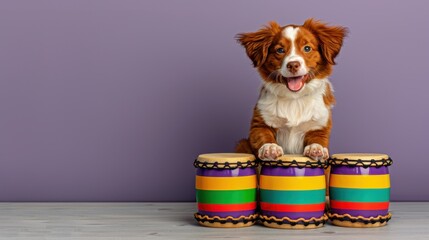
359,189
292,193
226,190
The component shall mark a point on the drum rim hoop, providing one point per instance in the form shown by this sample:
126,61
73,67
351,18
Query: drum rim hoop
300,221
231,220
360,219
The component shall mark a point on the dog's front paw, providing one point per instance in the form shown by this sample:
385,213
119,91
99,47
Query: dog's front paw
270,151
316,152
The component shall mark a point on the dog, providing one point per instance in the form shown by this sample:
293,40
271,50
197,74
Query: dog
293,113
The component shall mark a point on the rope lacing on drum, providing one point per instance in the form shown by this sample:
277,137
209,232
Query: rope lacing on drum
360,162
293,163
224,165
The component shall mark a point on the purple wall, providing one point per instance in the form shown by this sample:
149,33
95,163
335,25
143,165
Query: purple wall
113,100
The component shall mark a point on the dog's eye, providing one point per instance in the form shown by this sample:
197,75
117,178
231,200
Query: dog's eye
307,49
280,50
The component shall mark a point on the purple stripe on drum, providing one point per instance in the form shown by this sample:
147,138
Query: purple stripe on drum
363,213
293,215
291,171
359,170
234,214
226,172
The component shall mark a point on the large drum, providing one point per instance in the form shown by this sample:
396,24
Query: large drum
359,190
292,193
226,190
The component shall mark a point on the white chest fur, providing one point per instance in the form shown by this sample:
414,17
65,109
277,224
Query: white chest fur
294,114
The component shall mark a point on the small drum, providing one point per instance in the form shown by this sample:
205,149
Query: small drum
292,192
226,190
359,190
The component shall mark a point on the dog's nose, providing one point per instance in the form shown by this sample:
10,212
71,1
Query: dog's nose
293,66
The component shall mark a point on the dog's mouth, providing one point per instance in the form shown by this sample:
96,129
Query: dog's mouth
295,83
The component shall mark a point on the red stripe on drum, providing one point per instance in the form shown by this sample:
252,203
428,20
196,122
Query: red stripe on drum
292,207
226,207
359,205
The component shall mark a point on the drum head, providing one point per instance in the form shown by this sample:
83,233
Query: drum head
361,159
362,156
297,158
225,160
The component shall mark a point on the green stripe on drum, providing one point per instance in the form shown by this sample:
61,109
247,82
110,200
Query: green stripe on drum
226,196
360,195
293,197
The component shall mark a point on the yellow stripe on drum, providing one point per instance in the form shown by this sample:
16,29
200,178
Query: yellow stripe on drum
292,183
225,183
360,181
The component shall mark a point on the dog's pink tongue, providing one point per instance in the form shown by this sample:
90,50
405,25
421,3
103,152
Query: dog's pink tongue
294,83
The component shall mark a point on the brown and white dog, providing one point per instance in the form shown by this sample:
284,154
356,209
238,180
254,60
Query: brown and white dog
293,112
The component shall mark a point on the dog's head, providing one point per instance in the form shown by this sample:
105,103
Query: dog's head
294,55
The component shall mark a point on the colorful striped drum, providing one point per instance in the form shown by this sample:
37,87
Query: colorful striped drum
359,190
292,193
226,189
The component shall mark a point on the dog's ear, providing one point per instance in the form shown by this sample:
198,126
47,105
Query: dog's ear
330,38
257,43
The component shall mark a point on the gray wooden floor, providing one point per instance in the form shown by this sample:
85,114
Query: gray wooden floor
175,221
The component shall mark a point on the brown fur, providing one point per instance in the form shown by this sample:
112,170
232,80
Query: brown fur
261,47
258,43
